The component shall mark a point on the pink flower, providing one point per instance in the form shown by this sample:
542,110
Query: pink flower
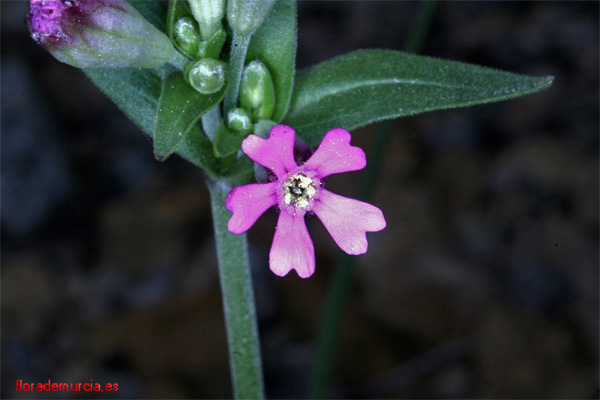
45,19
298,189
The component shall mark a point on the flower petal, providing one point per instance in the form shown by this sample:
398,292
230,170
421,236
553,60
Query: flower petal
292,247
335,155
348,220
247,203
276,152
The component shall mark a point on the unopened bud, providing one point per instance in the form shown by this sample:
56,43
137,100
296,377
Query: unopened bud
186,35
97,34
209,14
239,121
207,76
245,16
257,93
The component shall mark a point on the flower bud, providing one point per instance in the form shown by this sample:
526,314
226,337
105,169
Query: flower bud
209,14
245,16
187,38
257,93
97,34
207,76
239,121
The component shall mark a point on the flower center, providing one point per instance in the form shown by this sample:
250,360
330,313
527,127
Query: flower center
298,189
46,19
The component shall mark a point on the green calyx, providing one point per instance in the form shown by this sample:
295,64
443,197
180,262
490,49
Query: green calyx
185,30
257,92
186,35
207,76
245,16
239,121
209,14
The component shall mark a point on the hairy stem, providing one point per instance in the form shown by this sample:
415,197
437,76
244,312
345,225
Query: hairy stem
238,300
178,60
211,121
239,48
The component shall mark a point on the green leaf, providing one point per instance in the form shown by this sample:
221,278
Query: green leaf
177,9
197,149
179,108
136,92
366,86
274,43
212,47
226,141
241,172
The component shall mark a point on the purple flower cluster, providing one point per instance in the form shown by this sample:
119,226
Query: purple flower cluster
297,190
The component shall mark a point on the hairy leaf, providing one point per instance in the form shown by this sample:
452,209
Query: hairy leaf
179,108
136,92
227,141
366,86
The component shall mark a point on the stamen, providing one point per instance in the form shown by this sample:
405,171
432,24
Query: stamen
46,17
298,189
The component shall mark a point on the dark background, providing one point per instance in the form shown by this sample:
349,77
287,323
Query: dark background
483,284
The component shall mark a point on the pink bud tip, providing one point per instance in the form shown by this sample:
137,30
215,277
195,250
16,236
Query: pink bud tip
46,18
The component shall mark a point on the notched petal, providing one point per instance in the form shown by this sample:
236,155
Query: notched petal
275,153
336,155
248,203
348,220
292,247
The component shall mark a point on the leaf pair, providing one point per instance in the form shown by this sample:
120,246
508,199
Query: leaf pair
138,93
348,91
164,106
180,107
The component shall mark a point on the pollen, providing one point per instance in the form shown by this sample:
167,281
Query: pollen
298,189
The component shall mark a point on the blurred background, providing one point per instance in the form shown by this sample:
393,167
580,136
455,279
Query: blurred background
484,283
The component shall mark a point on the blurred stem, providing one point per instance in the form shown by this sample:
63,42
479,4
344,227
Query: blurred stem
369,180
320,378
178,60
422,23
238,300
211,121
239,48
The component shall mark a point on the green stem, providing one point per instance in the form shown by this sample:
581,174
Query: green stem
421,24
238,300
377,154
239,48
211,121
330,328
178,60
